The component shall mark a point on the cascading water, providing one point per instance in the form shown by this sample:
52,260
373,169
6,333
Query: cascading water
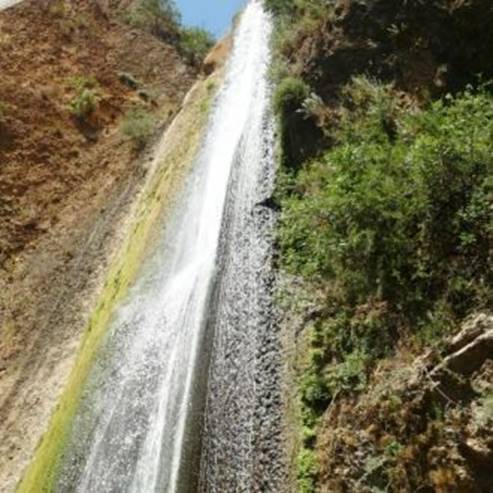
184,394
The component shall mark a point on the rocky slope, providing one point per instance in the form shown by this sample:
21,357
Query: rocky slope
67,184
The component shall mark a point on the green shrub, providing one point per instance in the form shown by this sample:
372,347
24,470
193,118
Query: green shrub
349,375
162,19
400,210
159,17
84,103
290,96
195,43
280,6
139,125
81,82
300,134
314,390
296,21
87,96
396,219
307,471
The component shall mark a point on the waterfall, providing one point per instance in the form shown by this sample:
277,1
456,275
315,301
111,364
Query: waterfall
180,395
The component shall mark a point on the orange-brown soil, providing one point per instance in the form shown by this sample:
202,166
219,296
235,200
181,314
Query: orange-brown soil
66,185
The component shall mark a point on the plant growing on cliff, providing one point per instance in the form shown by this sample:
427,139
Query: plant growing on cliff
86,98
162,19
396,218
159,17
84,103
139,125
400,210
195,43
290,96
307,471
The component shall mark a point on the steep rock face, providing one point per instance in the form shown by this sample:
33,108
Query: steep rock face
67,185
423,46
47,154
392,435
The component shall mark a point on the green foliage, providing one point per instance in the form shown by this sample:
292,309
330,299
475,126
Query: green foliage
280,6
84,103
139,125
400,210
299,132
290,96
81,82
314,390
86,97
307,471
296,21
349,375
195,43
396,218
160,17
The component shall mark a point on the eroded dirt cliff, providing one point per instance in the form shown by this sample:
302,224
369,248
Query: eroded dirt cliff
67,185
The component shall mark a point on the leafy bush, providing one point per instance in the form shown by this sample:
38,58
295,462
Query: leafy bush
307,470
396,218
280,6
162,19
86,97
314,390
139,125
159,17
400,210
300,134
350,375
195,43
81,82
297,20
84,103
290,96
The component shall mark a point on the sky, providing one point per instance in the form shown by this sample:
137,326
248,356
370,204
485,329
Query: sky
213,15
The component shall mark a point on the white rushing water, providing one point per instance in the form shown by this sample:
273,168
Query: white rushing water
135,423
8,3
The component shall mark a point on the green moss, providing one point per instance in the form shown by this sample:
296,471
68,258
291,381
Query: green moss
178,151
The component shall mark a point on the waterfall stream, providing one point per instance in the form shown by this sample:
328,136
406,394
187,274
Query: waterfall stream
184,394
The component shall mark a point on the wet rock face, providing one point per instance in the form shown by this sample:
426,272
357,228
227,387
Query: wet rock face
437,45
243,449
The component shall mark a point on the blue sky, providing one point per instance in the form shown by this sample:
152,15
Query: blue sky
214,15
